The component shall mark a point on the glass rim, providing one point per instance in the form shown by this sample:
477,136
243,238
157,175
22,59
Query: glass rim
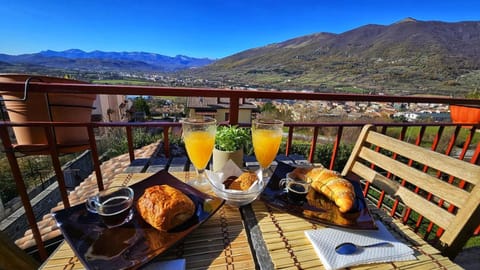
266,121
236,195
195,120
113,189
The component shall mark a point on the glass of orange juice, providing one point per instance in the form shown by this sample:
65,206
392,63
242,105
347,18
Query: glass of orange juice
266,139
199,138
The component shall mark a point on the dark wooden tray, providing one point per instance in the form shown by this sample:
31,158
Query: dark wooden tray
318,209
135,243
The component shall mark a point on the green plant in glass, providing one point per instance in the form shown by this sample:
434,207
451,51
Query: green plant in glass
232,138
230,143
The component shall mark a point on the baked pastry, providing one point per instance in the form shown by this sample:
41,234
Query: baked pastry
243,182
329,183
165,207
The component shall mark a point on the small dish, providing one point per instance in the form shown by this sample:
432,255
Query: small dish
237,198
233,197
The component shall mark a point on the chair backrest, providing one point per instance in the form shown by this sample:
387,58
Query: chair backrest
437,187
12,257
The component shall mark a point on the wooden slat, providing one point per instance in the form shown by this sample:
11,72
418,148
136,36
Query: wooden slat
440,216
356,149
420,179
452,166
467,217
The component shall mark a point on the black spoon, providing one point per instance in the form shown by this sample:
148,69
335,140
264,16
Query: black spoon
348,248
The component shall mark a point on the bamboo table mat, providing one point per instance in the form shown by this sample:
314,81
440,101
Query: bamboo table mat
220,243
289,248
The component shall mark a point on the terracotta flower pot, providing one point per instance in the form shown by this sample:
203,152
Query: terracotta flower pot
63,107
221,157
465,114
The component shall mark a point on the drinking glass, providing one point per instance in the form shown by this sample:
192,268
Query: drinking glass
114,205
199,137
266,139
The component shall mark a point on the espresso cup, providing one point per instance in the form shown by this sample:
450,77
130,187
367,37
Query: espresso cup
113,205
296,189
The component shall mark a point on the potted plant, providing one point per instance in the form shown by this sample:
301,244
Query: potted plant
62,107
466,114
230,143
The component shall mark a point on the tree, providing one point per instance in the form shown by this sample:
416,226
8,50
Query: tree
268,108
141,105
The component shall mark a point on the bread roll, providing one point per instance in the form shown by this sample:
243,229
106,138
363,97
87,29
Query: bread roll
244,181
329,183
165,207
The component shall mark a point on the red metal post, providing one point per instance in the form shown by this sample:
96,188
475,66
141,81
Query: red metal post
438,136
450,146
22,191
313,145
130,143
234,107
52,144
475,159
96,161
451,179
406,216
367,185
336,145
289,141
166,142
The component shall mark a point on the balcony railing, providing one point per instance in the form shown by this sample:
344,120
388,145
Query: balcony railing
339,129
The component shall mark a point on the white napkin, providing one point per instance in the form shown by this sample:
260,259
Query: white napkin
324,242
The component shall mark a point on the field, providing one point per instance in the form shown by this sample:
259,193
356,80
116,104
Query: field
131,81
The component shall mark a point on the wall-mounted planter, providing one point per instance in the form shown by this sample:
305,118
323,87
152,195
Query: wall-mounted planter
63,108
465,114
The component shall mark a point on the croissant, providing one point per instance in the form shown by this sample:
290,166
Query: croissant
330,184
165,207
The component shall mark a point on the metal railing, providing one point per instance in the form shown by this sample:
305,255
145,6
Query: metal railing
234,96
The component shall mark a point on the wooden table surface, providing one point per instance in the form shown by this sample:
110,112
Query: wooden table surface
219,243
242,238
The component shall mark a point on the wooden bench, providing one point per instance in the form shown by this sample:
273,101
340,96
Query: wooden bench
434,193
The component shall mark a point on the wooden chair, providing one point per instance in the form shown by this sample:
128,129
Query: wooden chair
12,257
435,194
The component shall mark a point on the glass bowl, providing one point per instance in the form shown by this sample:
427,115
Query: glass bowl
238,198
233,197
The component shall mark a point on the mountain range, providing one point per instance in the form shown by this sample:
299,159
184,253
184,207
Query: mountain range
409,56
105,61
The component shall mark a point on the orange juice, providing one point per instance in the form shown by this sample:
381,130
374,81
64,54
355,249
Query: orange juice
199,145
266,143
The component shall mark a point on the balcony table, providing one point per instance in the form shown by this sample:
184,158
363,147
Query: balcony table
259,237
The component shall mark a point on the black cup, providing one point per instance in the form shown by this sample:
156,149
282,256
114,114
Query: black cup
297,192
113,205
296,189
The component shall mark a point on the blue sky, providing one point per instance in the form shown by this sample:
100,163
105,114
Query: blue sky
199,28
